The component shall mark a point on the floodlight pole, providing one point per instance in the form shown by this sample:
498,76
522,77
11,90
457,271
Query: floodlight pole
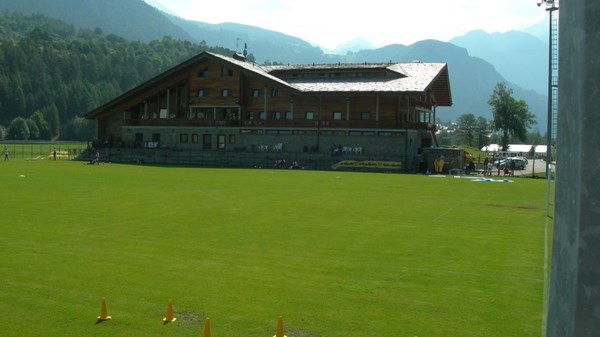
551,6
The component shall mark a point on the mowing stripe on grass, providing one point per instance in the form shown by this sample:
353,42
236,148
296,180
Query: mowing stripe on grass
459,203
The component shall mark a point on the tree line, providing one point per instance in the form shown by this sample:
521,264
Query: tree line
51,74
511,123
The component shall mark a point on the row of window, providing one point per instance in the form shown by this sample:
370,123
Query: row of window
308,115
193,138
225,72
212,113
229,93
207,140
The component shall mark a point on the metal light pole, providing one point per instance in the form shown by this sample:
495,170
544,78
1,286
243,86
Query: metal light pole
551,7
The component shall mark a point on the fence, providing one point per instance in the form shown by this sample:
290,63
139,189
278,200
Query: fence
43,150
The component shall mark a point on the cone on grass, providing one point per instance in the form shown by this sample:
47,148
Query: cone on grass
169,317
280,328
207,327
104,312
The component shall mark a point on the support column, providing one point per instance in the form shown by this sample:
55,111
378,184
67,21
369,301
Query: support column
574,301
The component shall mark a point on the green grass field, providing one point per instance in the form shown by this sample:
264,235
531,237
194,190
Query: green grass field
336,254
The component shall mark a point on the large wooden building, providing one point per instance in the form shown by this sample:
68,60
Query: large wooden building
217,110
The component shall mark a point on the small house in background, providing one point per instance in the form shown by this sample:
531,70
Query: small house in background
215,110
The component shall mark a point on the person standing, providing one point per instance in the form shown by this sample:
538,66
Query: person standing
438,164
6,153
54,152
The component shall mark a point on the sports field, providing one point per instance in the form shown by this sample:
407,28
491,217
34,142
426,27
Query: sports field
336,254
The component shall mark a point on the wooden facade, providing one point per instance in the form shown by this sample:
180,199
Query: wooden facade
238,113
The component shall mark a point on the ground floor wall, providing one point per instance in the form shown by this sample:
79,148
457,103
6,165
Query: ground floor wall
315,148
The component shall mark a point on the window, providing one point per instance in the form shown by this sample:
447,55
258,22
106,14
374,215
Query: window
274,92
183,138
226,72
202,73
202,113
256,92
364,115
309,115
336,116
275,115
231,139
289,116
225,93
262,115
194,138
202,93
221,142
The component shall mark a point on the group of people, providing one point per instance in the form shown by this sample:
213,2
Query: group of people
96,159
282,163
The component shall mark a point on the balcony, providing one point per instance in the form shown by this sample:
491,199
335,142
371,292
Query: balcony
280,123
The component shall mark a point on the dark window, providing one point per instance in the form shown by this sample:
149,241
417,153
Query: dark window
207,141
226,72
202,73
256,92
183,138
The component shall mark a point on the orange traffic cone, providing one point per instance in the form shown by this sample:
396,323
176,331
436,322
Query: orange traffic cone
207,327
169,317
280,328
104,312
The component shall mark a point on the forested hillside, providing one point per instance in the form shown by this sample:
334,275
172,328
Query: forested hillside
51,73
131,19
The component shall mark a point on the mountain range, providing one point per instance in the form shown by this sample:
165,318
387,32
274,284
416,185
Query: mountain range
477,61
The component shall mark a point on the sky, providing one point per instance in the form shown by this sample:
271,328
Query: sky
330,23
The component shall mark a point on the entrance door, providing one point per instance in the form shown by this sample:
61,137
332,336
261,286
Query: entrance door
221,142
207,142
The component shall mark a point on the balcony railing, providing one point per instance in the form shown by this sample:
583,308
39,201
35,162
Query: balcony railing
248,123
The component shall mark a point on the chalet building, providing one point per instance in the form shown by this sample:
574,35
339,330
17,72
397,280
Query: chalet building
214,110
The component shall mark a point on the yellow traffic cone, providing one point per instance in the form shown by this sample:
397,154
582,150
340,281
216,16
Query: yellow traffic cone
169,317
104,312
280,328
207,327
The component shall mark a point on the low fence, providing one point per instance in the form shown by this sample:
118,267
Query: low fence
42,150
